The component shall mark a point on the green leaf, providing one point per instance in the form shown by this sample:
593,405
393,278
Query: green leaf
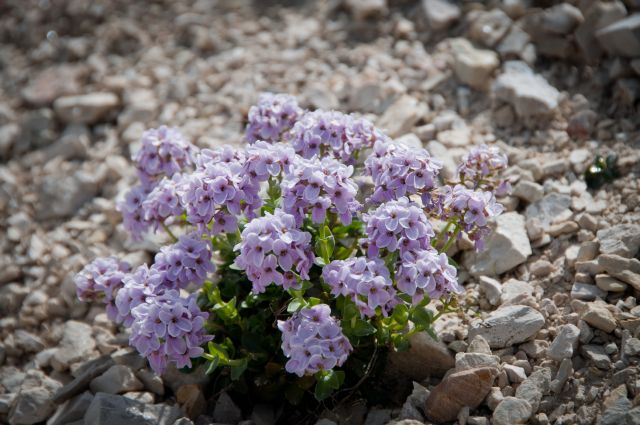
422,317
401,314
218,351
238,366
327,381
296,304
325,244
214,361
363,328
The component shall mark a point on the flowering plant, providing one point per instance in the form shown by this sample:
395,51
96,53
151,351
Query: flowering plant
320,239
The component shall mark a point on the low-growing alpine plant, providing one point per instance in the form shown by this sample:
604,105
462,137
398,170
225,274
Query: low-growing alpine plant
294,259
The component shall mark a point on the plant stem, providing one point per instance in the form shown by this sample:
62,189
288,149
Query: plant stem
169,232
452,239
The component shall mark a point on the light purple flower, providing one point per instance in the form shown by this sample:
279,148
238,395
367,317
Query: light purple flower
144,282
396,225
218,189
167,328
188,261
133,214
398,171
429,273
163,202
364,281
272,246
334,133
317,186
271,117
312,340
100,280
472,209
481,167
164,152
266,160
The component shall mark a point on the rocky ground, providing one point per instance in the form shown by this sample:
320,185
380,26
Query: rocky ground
549,327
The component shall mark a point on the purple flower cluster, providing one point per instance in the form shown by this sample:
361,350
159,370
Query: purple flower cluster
100,280
481,163
144,282
313,341
271,116
271,248
364,281
167,328
264,160
315,186
399,171
218,192
473,210
164,152
163,202
187,261
428,274
133,216
333,132
396,225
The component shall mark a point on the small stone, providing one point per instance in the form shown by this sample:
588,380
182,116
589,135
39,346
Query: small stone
401,116
62,196
52,83
479,345
492,289
76,344
459,389
425,357
85,109
529,93
597,355
473,66
490,27
378,416
440,14
620,239
597,16
621,37
514,289
516,374
33,402
561,19
564,371
509,325
597,315
364,9
151,381
586,292
116,380
472,360
225,410
564,343
534,387
588,251
611,284
511,411
494,398
513,44
71,411
506,248
632,347
191,399
528,191
83,376
535,349
553,208
109,409
141,396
